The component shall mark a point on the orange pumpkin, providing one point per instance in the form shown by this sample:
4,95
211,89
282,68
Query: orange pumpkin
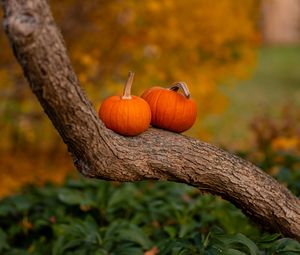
126,115
170,109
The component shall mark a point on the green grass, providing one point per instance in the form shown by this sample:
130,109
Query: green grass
275,83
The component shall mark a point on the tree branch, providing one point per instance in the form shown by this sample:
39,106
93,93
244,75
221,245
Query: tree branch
155,155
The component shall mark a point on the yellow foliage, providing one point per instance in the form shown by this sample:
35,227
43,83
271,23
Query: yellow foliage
21,168
277,140
285,143
204,43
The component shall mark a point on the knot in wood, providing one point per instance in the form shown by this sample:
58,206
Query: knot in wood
20,26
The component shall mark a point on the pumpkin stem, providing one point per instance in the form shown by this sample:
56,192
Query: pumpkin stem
181,85
127,87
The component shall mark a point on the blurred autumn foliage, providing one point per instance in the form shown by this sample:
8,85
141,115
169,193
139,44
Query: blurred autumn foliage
204,43
277,140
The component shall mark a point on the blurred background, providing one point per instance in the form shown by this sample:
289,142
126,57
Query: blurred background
240,59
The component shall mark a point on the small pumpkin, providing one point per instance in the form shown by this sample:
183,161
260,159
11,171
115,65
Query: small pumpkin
126,115
170,109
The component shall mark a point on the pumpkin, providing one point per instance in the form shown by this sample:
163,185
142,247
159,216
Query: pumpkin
170,109
126,115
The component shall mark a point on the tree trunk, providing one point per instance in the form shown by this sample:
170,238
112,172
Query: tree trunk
155,155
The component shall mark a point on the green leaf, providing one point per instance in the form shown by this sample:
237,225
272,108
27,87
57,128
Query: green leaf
268,238
175,246
58,246
101,252
242,239
287,245
171,231
234,252
126,249
20,202
117,198
136,235
6,209
75,197
3,241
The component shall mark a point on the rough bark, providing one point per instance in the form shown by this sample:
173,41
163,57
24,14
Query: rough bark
155,155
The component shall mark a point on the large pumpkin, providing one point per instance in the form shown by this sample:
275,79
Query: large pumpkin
170,109
126,115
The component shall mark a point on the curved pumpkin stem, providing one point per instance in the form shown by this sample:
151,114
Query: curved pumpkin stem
181,85
127,87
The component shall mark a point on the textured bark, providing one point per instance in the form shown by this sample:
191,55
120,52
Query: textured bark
155,155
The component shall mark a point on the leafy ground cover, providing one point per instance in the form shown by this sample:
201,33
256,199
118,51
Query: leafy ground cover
85,217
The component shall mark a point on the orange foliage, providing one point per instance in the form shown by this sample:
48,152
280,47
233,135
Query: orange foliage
278,134
277,140
22,168
204,43
285,143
